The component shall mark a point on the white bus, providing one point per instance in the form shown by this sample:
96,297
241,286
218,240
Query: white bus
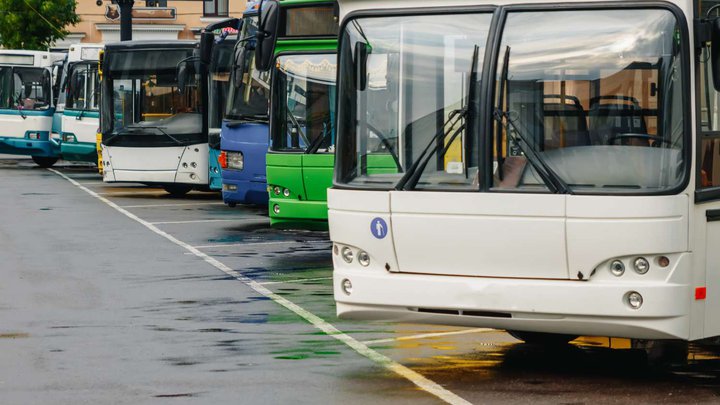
153,121
556,167
27,105
81,94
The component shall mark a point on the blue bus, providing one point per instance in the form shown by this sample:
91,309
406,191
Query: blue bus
244,140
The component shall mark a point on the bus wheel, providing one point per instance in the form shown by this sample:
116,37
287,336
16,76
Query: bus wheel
539,338
177,190
232,204
44,162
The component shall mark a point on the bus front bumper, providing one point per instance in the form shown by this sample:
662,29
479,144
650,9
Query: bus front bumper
244,191
79,151
30,147
292,210
583,308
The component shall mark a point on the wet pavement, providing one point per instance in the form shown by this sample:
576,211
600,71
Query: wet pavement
96,307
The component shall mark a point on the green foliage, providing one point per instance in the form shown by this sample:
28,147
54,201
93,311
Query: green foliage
35,24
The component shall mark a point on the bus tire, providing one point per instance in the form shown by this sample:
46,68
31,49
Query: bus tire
44,162
232,204
540,338
177,190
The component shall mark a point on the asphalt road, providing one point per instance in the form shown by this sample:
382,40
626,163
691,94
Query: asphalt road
124,295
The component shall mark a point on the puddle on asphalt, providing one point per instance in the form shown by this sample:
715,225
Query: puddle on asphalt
14,335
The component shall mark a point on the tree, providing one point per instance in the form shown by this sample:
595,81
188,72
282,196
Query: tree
35,24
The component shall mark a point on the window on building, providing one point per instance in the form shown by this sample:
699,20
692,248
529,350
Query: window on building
215,8
156,3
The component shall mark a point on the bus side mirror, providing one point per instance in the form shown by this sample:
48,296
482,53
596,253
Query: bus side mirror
268,23
360,54
207,40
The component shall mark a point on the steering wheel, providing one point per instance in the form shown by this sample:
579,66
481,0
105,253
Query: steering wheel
646,137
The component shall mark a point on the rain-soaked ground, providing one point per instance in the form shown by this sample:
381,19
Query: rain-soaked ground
124,304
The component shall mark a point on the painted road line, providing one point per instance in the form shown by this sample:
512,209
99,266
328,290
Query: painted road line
132,192
200,221
414,377
299,280
427,335
172,205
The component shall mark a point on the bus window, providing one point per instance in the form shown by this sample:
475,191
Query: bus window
709,174
585,115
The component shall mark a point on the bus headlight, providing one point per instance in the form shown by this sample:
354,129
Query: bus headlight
276,209
363,258
286,193
617,268
235,160
346,286
634,299
641,265
347,254
276,190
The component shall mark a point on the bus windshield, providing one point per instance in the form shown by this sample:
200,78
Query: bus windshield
151,93
249,89
304,99
25,88
83,87
598,111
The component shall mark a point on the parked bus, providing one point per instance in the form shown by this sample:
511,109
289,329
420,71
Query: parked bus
583,197
154,118
80,94
302,119
225,32
27,105
244,138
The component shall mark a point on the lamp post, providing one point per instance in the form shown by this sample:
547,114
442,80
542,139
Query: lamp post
125,19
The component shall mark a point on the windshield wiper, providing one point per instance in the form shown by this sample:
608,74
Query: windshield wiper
503,118
551,179
244,119
139,129
412,176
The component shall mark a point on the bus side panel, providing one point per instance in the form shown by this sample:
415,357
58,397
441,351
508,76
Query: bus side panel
603,228
285,171
480,234
317,175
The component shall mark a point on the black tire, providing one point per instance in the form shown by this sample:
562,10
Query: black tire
540,338
44,162
177,190
232,205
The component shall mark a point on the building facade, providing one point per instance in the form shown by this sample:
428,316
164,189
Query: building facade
152,19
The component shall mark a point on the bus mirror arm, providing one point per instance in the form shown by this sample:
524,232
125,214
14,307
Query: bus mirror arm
715,53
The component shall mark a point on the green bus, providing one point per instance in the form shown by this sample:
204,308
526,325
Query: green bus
299,46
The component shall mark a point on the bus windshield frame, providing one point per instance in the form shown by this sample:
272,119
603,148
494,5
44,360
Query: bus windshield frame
148,103
249,95
25,88
633,104
81,87
300,124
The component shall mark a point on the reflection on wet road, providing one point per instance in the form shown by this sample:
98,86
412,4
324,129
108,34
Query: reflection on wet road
96,308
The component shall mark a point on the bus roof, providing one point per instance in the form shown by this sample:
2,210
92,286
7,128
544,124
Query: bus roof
131,45
348,6
10,57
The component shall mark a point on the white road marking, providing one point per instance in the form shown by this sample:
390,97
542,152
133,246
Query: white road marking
427,335
414,377
132,191
299,280
192,222
172,205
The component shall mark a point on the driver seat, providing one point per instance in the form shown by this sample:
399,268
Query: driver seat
613,115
